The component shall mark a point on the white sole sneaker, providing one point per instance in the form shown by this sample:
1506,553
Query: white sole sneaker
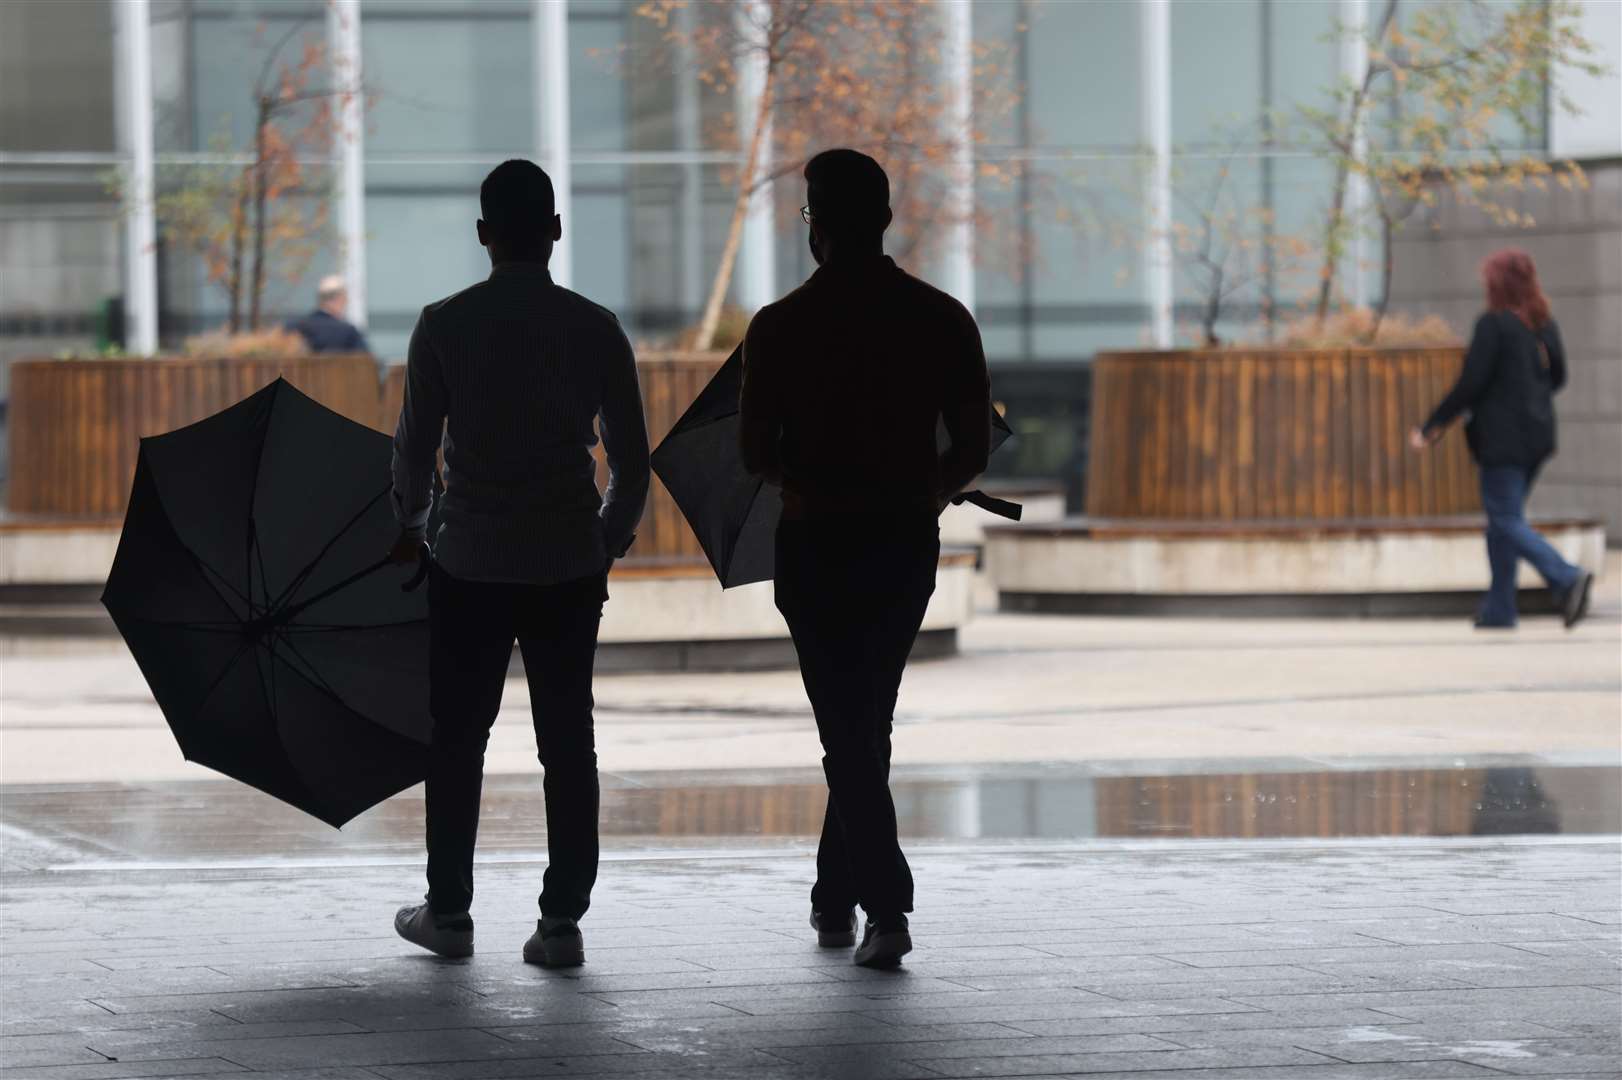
558,950
448,936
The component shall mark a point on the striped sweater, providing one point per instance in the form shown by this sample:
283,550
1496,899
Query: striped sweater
517,373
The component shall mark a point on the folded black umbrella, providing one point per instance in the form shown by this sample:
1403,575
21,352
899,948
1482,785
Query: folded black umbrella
733,512
248,584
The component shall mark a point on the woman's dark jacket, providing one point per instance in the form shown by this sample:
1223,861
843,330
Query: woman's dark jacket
1508,387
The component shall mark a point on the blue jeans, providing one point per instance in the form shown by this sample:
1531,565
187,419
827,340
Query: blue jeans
1510,539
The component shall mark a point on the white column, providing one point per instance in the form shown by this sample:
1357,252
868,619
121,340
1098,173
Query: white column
1354,66
551,52
757,284
1154,40
690,138
958,260
349,137
134,115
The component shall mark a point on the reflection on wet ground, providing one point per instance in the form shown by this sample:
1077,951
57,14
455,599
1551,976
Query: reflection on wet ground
211,821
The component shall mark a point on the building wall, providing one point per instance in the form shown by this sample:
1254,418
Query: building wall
1577,243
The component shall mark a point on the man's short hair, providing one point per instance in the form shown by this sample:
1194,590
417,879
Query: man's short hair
848,190
516,199
330,288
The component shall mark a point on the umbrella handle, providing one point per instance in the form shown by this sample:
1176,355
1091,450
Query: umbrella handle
1000,507
425,559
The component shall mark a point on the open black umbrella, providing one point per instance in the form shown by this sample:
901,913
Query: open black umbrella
733,512
248,583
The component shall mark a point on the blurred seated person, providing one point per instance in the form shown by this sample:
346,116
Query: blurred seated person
325,329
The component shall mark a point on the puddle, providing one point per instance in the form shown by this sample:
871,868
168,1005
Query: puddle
207,820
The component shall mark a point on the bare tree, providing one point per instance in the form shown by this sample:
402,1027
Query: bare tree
867,74
244,219
1450,94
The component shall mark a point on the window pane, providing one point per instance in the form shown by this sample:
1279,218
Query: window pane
56,76
449,81
1082,74
1216,65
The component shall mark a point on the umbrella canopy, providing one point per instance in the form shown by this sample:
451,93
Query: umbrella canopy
733,512
249,588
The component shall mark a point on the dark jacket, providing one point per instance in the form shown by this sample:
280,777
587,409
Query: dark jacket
1510,375
845,381
325,332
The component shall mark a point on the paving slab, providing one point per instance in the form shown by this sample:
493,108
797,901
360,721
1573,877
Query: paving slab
1322,960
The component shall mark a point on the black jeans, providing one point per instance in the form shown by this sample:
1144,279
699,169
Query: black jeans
472,625
853,594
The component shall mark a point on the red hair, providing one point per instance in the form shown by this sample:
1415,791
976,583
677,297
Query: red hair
1512,285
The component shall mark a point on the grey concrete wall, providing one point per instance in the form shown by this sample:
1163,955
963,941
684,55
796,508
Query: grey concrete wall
1576,240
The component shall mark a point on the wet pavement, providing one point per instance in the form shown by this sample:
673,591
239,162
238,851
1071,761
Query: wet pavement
1290,959
204,821
1148,848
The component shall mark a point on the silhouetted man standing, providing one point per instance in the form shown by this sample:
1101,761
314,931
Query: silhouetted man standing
845,381
327,328
515,370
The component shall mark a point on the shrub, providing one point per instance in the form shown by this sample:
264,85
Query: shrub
1356,326
274,342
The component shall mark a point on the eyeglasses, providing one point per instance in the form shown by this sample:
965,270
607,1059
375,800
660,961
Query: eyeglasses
805,214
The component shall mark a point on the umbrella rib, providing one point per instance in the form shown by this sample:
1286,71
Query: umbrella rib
333,628
204,627
220,678
210,575
303,575
313,676
269,692
259,554
253,496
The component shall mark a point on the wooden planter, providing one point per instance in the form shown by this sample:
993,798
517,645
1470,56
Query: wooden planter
1273,434
75,425
670,382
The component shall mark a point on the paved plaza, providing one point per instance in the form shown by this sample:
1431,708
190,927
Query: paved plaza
1025,688
1156,848
1411,959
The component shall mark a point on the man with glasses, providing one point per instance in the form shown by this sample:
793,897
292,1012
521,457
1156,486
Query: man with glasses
845,381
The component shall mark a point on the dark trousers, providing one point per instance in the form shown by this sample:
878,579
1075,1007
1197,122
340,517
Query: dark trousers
853,594
472,625
1510,538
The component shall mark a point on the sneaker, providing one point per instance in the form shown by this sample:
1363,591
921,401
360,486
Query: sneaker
555,943
1576,601
834,931
446,935
1494,624
884,943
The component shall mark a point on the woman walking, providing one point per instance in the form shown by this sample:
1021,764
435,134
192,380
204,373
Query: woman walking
1512,369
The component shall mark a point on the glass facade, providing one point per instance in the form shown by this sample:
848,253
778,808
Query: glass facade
455,86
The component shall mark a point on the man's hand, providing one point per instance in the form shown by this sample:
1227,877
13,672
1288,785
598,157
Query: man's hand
406,549
1419,439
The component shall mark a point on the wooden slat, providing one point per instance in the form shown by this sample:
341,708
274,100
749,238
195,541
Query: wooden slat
1272,434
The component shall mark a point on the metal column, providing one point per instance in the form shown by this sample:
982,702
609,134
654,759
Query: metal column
757,285
343,39
1354,65
1154,38
690,138
134,112
551,53
958,254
